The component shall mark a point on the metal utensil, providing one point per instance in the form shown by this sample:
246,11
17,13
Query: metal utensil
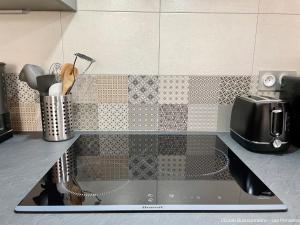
55,69
29,73
84,57
44,82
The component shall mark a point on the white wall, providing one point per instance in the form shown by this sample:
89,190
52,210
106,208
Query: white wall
169,37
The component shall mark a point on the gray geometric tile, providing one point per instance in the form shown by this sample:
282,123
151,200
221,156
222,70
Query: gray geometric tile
143,152
204,89
202,117
85,90
232,86
113,144
102,167
85,116
87,145
18,91
143,167
143,145
224,116
113,117
205,160
171,167
143,117
173,117
173,89
143,89
205,164
196,144
172,144
254,85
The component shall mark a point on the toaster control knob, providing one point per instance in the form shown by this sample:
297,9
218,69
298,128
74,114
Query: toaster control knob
277,143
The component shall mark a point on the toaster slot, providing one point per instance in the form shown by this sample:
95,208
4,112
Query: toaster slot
277,122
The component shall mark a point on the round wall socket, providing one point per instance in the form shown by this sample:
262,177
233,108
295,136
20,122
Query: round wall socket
269,80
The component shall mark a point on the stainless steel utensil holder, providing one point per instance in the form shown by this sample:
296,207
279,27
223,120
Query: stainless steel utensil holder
57,117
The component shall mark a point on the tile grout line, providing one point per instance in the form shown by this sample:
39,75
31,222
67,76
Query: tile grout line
158,72
258,6
186,12
61,36
158,57
232,13
255,37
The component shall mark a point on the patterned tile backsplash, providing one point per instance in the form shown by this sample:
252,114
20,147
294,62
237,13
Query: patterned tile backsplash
204,89
173,117
131,102
143,89
143,117
232,86
202,117
173,89
112,117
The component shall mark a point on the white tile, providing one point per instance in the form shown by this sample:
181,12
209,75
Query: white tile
238,6
207,43
122,43
143,117
119,5
33,38
202,117
224,117
113,117
173,89
280,6
277,43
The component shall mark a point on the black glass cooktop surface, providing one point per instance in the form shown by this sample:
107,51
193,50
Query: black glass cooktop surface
118,172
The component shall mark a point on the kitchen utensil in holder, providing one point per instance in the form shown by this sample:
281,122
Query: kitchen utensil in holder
57,117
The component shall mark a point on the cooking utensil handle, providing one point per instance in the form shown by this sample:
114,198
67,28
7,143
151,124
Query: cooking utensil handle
277,122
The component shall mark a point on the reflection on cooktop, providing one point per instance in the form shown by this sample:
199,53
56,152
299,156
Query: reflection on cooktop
149,157
126,172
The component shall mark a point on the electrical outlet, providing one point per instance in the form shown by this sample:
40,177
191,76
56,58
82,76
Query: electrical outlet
271,80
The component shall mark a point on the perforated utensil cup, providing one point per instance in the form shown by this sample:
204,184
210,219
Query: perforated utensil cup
57,117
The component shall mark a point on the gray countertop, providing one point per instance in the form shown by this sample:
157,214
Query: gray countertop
25,158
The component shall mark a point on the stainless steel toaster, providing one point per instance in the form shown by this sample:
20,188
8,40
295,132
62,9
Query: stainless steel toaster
260,123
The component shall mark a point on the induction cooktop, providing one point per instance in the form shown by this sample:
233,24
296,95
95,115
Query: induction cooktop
157,172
